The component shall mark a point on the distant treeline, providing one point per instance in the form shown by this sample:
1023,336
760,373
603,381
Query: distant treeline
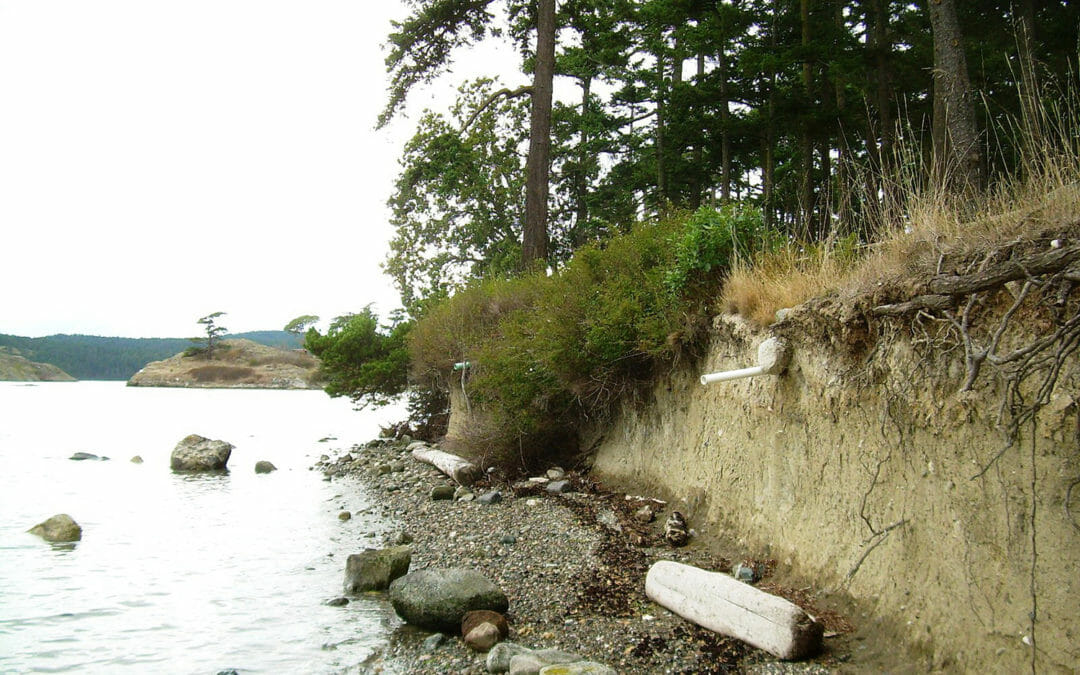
88,357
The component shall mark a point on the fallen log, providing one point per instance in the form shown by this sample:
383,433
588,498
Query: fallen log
460,469
720,603
1053,260
938,302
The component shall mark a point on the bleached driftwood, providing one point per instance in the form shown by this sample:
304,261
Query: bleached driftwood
720,603
460,469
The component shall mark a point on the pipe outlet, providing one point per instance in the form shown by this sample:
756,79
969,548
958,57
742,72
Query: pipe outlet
773,356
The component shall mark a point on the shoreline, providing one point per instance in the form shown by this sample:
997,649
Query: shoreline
573,566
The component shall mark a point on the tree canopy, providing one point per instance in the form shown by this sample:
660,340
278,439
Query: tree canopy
684,102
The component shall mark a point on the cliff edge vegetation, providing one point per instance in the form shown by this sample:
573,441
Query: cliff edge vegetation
236,364
19,369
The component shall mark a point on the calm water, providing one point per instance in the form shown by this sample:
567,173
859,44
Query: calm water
184,574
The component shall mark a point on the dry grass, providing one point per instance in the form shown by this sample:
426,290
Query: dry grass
917,224
783,278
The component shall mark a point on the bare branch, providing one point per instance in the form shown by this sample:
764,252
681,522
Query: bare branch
508,93
919,302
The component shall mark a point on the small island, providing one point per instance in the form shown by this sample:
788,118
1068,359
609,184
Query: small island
234,364
20,369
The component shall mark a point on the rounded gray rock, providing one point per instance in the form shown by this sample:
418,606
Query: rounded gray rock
59,528
375,569
498,659
437,599
196,453
263,466
442,492
559,486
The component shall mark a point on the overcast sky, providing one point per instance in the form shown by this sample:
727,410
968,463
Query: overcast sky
164,159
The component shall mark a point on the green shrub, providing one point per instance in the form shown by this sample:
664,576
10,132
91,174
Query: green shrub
712,240
361,359
548,352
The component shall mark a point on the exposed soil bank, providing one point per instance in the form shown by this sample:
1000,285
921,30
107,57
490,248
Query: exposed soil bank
862,470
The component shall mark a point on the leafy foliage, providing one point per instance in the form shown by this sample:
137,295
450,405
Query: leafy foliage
420,45
711,240
547,352
300,324
458,203
361,359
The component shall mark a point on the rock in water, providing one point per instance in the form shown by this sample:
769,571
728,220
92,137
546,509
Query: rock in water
437,599
59,528
263,466
196,453
373,569
80,456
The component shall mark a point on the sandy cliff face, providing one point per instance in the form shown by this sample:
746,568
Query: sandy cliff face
19,369
870,474
240,364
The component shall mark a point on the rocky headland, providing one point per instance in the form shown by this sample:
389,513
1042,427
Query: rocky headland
19,369
236,364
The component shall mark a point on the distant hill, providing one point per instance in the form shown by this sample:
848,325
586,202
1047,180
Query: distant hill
16,368
89,357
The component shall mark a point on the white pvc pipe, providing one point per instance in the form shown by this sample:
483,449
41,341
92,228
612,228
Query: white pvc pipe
732,374
773,357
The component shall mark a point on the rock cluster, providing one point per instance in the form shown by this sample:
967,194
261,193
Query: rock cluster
573,583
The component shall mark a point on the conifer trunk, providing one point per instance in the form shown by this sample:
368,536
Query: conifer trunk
534,239
957,158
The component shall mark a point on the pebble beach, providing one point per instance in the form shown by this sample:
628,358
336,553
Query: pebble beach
570,557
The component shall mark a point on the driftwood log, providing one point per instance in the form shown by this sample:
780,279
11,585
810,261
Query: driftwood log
460,469
720,603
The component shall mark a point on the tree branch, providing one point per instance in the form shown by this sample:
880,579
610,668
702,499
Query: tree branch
508,93
918,302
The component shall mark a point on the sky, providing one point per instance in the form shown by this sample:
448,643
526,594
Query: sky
164,159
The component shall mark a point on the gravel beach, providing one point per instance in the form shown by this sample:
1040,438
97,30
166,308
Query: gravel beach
572,564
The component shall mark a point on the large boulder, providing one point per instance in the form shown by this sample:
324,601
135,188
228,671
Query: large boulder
196,453
374,569
58,528
438,599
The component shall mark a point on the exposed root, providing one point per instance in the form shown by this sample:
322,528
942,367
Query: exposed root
877,538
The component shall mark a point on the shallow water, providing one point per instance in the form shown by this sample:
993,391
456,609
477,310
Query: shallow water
180,573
